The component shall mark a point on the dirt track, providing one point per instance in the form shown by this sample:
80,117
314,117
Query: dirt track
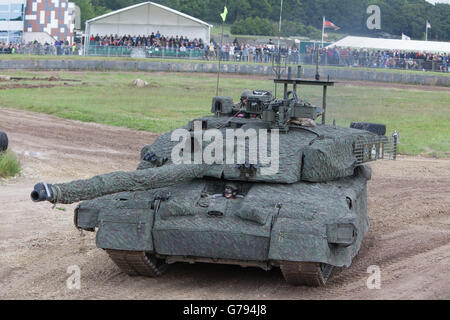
409,239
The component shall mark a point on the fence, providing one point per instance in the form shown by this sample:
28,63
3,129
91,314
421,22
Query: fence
42,49
247,56
378,62
146,52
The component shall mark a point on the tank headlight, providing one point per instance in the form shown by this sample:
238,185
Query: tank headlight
342,234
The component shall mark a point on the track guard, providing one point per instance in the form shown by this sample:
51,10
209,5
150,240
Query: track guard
126,227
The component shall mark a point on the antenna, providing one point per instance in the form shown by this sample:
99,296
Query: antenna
279,26
277,69
317,65
220,54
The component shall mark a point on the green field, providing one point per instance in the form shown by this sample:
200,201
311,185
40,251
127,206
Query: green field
421,116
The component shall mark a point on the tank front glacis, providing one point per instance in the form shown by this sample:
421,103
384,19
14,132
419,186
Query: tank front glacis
301,205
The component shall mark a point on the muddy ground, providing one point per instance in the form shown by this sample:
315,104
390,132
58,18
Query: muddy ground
409,239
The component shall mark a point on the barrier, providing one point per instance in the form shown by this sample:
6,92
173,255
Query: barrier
338,73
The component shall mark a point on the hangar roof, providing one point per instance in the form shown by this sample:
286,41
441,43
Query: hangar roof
149,3
392,44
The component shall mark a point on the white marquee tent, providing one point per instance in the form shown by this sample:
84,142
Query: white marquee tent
392,44
147,17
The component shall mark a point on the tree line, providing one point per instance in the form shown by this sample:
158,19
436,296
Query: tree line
303,17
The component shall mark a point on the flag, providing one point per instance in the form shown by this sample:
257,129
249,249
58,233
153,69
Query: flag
428,25
331,25
224,14
405,37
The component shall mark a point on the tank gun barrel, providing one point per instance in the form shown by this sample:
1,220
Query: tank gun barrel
42,192
115,182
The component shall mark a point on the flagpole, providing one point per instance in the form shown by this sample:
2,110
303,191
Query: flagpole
279,26
225,12
220,58
279,48
426,31
279,30
323,29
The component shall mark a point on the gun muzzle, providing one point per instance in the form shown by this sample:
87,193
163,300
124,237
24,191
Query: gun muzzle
42,192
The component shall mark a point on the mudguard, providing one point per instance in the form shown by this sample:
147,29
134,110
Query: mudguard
124,221
127,227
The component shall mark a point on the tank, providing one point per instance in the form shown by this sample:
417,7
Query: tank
259,183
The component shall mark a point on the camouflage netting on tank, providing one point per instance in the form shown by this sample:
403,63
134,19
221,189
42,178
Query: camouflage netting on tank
332,157
293,220
271,222
318,166
317,154
321,154
308,209
125,181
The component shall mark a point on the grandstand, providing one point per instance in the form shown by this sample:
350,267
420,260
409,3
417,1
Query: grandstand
147,18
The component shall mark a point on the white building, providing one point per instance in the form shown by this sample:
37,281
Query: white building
392,44
148,17
12,14
40,20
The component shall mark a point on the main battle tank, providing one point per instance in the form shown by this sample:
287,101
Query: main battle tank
201,195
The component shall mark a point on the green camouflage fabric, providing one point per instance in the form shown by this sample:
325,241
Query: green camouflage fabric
319,154
115,182
269,223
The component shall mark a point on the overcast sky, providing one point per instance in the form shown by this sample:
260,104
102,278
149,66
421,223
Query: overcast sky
439,1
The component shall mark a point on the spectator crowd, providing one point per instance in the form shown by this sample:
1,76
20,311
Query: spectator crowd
229,51
9,48
391,59
154,40
36,48
259,53
265,53
244,52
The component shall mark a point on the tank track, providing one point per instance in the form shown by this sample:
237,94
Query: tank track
137,263
306,273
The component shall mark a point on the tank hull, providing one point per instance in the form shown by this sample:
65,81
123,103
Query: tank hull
270,223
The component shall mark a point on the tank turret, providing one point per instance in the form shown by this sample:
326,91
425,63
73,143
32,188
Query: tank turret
317,154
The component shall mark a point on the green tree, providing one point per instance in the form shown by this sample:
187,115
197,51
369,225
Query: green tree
253,26
89,11
407,16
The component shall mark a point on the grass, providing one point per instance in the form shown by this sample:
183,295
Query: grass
421,116
174,60
9,164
